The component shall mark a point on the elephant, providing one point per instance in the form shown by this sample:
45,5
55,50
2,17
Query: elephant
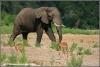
36,20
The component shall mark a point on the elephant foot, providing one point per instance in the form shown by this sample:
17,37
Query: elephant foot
38,44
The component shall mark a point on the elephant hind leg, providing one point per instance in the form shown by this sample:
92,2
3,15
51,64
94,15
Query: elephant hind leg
25,34
16,32
12,38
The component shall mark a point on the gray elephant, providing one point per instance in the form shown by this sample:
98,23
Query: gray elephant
36,20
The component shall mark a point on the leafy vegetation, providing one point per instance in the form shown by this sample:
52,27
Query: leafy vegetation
75,61
12,58
2,57
55,46
95,45
73,47
38,44
80,52
88,51
23,58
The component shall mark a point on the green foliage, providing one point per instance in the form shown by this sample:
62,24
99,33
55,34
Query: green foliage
73,47
3,57
12,58
55,46
95,45
88,51
75,31
23,58
75,61
6,29
80,52
38,44
7,19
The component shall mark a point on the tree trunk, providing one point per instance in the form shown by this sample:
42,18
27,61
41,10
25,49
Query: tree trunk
77,23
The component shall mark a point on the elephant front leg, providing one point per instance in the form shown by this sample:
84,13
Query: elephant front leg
49,32
39,36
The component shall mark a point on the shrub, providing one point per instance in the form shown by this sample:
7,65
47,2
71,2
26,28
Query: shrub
23,58
88,51
80,51
55,46
95,45
13,58
73,47
75,62
3,57
38,44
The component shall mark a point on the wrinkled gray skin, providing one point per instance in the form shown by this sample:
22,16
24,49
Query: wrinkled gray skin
36,20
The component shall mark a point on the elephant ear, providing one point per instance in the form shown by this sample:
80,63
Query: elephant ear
41,13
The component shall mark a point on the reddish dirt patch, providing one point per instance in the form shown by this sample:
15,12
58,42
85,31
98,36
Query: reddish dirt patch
45,53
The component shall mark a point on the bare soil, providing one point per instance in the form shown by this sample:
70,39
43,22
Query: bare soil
45,55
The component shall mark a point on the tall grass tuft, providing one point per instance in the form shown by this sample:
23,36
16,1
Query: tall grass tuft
88,51
75,61
38,44
23,58
12,58
3,57
95,45
55,46
73,47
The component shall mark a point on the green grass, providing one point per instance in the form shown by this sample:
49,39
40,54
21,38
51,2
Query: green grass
2,57
95,45
76,31
55,46
38,44
73,47
8,30
88,51
80,52
12,58
23,58
75,61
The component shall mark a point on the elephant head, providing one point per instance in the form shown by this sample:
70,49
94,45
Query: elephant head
52,14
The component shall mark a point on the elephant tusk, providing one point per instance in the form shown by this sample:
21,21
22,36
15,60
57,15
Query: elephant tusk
57,25
63,25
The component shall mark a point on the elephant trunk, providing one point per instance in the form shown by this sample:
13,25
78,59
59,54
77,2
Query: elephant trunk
59,30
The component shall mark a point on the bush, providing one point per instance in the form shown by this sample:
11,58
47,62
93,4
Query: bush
73,47
75,62
95,45
88,51
3,57
80,51
7,19
55,46
23,58
38,44
13,58
6,29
